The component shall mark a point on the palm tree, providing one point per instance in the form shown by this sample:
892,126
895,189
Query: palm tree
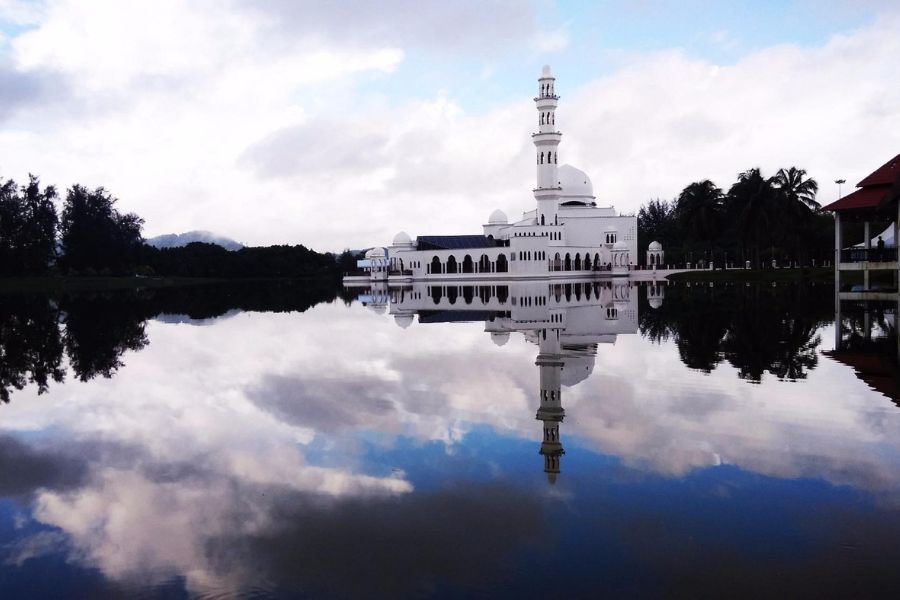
794,186
797,206
698,211
751,202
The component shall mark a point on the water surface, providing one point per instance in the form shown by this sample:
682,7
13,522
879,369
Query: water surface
299,441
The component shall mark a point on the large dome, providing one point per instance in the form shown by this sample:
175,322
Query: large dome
576,369
403,320
498,217
574,183
402,239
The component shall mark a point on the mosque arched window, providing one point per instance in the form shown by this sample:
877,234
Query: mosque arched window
502,264
468,266
542,158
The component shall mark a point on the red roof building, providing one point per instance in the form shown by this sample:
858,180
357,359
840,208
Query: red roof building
873,190
875,202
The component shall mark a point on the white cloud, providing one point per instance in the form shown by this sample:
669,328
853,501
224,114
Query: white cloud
553,41
254,125
21,12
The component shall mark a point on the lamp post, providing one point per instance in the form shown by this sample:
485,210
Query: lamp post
840,182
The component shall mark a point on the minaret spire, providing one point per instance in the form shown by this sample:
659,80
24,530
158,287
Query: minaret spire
546,142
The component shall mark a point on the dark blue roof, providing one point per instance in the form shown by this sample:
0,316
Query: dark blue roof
457,316
453,242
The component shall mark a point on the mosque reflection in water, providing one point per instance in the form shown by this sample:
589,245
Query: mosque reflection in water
565,320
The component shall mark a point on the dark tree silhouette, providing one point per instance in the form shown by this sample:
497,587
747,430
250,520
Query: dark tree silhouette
99,330
27,227
30,344
777,217
751,202
699,210
94,235
756,328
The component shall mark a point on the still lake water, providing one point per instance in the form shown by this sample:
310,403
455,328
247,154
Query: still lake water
287,441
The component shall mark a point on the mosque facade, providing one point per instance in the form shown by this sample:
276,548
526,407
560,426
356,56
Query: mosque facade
567,233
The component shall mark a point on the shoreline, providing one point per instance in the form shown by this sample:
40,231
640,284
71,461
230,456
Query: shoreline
63,284
815,274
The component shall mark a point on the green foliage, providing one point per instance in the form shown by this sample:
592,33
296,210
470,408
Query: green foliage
94,235
199,259
759,219
27,227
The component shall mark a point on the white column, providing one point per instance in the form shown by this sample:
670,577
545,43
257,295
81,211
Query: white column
868,245
838,242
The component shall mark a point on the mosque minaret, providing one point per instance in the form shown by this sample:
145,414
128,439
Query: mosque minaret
546,145
565,234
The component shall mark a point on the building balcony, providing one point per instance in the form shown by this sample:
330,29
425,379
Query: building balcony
869,255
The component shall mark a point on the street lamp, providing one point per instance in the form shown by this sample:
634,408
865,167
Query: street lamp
840,182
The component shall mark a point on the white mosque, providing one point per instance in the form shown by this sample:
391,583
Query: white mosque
566,235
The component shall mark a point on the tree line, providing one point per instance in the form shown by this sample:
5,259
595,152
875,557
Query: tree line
759,219
90,236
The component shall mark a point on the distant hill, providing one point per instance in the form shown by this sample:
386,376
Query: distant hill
177,240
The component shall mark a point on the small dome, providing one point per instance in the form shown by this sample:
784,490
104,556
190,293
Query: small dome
545,72
402,239
376,253
498,217
500,337
655,302
610,229
575,183
377,308
654,247
403,321
620,245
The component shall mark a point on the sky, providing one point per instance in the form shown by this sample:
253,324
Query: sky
338,124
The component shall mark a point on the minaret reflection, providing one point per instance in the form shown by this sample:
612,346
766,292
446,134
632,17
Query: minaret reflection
566,319
551,412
